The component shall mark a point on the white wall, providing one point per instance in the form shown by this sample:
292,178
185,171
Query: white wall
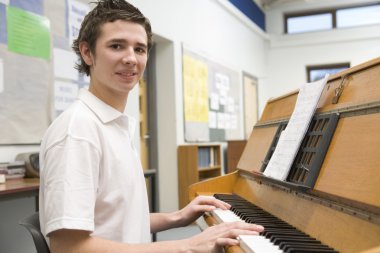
9,152
288,55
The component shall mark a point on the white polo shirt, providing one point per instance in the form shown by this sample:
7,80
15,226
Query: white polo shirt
91,175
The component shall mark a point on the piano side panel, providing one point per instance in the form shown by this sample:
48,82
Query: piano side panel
342,231
351,168
257,148
222,184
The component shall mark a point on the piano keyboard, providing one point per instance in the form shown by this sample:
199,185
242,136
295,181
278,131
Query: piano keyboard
278,236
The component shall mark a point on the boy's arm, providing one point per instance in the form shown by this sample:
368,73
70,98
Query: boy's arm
213,239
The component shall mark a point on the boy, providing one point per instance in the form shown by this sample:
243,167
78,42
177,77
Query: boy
93,196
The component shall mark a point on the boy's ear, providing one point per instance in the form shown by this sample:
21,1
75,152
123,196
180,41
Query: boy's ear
86,53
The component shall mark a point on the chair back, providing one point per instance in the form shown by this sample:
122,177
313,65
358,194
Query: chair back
32,224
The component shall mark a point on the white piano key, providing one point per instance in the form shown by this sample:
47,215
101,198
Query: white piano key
257,244
249,243
225,216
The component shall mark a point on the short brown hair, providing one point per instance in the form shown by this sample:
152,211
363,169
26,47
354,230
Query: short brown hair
107,11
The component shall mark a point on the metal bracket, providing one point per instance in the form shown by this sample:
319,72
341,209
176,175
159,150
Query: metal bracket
339,90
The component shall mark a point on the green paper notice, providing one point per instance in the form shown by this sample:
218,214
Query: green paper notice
28,33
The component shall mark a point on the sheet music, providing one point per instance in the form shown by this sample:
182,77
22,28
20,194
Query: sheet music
290,140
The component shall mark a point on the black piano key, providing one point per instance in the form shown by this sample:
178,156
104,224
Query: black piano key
292,238
284,242
286,246
306,247
309,250
263,219
273,225
277,233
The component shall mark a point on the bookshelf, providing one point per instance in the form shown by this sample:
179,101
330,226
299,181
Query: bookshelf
196,163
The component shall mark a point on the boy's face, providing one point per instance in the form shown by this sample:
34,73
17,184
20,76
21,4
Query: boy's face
121,53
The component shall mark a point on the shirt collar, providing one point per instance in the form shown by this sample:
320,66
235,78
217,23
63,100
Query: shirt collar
105,112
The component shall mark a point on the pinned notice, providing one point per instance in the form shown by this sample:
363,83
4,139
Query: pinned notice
28,33
1,76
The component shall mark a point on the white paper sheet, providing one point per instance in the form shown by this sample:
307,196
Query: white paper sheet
64,94
1,76
77,12
214,101
291,138
212,119
64,62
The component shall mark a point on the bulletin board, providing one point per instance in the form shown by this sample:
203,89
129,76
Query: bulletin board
37,75
211,95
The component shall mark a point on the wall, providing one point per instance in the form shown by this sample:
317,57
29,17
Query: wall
288,55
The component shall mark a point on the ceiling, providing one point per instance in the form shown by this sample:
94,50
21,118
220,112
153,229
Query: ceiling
267,4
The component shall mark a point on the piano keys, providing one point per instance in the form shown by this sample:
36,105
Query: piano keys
278,235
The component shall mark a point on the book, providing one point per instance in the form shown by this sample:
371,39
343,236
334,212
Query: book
12,170
14,176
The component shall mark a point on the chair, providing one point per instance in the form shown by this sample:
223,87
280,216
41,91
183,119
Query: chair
32,224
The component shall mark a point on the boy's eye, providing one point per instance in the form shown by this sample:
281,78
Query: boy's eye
140,50
116,46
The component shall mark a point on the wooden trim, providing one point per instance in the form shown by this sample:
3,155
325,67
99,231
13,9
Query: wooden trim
19,185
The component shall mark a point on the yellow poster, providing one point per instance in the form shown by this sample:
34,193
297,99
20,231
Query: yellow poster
195,76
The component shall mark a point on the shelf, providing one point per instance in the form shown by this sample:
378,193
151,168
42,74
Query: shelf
211,168
194,165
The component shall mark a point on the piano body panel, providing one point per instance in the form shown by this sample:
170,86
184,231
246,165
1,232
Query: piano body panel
361,87
373,250
256,148
351,168
279,108
344,232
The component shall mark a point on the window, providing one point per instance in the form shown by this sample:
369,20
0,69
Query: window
332,18
316,72
350,17
310,23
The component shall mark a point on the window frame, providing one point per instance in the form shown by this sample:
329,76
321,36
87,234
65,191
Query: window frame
310,68
332,11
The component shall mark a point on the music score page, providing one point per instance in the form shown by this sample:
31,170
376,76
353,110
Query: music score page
291,138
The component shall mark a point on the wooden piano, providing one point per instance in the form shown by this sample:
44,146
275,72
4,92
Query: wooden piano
339,204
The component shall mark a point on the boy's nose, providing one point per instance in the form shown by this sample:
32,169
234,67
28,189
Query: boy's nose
129,56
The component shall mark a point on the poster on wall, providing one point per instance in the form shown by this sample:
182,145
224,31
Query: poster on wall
37,75
211,95
25,54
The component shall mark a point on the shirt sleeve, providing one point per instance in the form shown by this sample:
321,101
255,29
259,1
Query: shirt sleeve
71,177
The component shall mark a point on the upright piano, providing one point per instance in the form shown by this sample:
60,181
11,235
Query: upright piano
332,193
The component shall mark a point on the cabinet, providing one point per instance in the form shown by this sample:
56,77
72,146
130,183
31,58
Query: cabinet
196,163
